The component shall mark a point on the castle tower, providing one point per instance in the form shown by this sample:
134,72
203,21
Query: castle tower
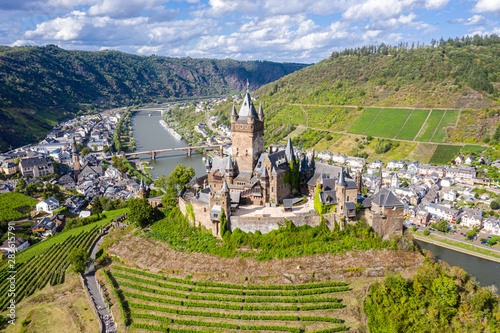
261,113
289,151
226,199
229,171
143,190
76,161
208,167
264,180
247,135
359,183
340,188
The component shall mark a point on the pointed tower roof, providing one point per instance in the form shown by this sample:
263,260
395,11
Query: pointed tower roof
290,155
207,162
273,171
229,165
264,173
341,181
247,108
233,111
261,112
225,188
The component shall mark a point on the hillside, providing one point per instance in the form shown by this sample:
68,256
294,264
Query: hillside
455,74
40,86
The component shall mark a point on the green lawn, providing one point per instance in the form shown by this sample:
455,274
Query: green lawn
449,119
444,154
15,206
362,123
388,123
430,126
473,149
410,130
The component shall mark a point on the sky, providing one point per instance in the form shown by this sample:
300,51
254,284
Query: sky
303,31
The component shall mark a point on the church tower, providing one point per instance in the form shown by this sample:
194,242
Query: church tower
76,161
247,134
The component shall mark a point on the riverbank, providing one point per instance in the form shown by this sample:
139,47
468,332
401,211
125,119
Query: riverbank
457,246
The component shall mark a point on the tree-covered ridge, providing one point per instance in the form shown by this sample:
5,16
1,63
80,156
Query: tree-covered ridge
437,299
39,86
455,73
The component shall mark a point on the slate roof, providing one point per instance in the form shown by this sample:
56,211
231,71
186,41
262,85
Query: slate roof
328,197
385,198
247,110
327,169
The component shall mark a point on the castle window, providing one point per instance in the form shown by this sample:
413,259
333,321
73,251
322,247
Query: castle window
272,189
205,209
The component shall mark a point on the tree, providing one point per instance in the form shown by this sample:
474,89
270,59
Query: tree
80,259
494,205
414,228
161,183
170,198
44,195
85,151
141,212
180,176
21,184
96,206
427,232
441,226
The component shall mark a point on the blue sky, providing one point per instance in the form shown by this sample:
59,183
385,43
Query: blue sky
303,31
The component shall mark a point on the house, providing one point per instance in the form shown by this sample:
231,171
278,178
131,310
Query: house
48,205
67,181
491,226
450,215
325,155
422,218
14,245
9,168
459,160
44,227
413,167
472,218
469,160
355,162
113,173
90,172
339,159
450,195
36,167
377,164
396,164
446,182
60,221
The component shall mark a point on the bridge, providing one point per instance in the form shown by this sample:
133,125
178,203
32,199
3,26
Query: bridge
188,150
161,110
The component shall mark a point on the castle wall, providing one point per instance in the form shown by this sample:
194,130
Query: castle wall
387,224
268,224
201,213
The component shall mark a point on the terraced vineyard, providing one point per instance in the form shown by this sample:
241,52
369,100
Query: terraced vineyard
161,303
47,267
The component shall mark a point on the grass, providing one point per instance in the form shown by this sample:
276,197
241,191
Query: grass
388,123
459,244
325,144
430,126
423,152
449,119
473,149
15,206
362,123
332,118
413,125
43,246
444,154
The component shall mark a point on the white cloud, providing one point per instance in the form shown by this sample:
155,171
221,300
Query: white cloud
487,6
182,30
436,4
378,9
475,20
122,8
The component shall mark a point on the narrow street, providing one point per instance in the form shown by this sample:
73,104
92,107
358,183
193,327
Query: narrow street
90,282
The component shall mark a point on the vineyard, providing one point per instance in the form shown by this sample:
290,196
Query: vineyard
49,266
161,303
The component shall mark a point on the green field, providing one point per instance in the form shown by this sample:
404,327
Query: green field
430,126
412,126
449,119
158,302
473,149
363,121
444,154
388,123
15,206
332,118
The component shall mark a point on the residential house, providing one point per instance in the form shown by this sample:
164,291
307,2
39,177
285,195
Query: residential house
339,159
462,172
459,160
450,195
377,164
472,218
469,160
325,155
450,215
491,226
355,162
9,168
422,218
48,205
14,245
60,221
396,164
44,227
36,167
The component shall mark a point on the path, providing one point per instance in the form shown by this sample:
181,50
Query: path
423,124
404,124
307,116
371,122
91,283
438,126
383,107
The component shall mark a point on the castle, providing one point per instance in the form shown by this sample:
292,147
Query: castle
252,176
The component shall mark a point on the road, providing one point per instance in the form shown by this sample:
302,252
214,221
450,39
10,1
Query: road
90,282
408,225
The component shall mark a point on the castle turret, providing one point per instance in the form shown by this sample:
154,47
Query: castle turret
229,171
359,183
290,154
261,113
264,180
340,189
208,167
234,115
76,160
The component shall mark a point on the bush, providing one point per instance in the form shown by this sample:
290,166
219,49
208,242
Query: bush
426,232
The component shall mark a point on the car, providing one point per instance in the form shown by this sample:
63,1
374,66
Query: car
489,237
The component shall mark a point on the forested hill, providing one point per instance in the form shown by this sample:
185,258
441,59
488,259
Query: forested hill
456,73
40,86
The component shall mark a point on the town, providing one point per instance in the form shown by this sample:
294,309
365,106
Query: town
75,166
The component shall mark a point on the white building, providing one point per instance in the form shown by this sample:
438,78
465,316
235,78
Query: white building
492,226
472,218
48,205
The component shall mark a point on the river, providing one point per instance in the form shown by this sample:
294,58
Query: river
485,271
150,135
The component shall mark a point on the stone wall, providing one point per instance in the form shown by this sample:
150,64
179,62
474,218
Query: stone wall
201,213
268,224
387,224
